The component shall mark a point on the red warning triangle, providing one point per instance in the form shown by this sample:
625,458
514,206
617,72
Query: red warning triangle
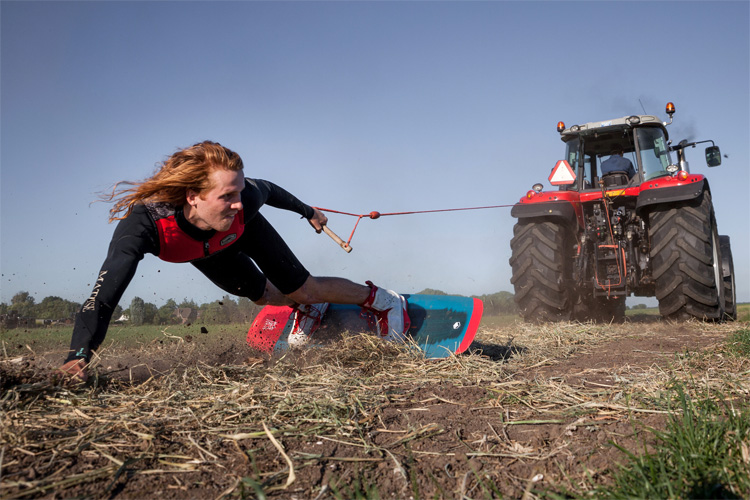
562,174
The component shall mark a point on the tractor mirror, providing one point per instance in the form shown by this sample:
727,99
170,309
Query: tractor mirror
713,156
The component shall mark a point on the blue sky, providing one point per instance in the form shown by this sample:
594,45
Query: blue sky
354,106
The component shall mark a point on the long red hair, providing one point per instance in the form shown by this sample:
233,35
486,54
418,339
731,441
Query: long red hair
186,169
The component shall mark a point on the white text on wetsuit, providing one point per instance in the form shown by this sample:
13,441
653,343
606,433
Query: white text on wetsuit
89,305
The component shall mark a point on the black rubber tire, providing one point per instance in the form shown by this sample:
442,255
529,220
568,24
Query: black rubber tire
727,267
541,257
686,260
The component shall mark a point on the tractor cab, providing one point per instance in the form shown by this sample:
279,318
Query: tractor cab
591,150
617,153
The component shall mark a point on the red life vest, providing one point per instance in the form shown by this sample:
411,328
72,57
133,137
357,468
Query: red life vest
175,245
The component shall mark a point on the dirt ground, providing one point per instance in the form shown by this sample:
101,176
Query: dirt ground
530,409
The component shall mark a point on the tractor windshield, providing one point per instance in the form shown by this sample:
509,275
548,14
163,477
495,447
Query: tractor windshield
654,152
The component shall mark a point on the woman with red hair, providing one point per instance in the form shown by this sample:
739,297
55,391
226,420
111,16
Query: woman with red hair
200,208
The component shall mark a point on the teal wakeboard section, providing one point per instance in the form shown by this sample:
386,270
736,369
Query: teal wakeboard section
441,325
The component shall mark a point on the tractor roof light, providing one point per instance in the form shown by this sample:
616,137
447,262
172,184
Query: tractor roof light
670,112
530,194
682,175
537,187
560,127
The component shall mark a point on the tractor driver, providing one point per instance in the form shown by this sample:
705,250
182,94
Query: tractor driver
199,208
617,163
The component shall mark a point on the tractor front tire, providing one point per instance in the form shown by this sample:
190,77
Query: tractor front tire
541,258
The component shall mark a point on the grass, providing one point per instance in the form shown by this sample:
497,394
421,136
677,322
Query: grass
743,312
358,489
365,402
703,453
739,343
17,339
650,311
499,321
24,340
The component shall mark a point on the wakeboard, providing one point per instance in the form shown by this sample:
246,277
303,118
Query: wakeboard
441,325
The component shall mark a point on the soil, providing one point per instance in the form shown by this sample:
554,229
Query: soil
441,438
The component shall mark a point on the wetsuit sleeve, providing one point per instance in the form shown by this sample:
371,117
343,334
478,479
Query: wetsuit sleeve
258,192
133,238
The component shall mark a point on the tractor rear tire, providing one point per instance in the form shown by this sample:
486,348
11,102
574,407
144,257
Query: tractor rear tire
540,258
686,259
727,268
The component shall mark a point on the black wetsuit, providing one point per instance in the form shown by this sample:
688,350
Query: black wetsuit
228,258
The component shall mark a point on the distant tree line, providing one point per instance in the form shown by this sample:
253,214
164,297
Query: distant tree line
23,306
224,311
23,310
498,303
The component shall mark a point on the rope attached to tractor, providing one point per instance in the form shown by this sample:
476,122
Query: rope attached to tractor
346,245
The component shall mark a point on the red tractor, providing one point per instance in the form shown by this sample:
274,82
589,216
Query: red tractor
626,220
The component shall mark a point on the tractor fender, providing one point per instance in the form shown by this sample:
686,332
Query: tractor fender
559,209
654,196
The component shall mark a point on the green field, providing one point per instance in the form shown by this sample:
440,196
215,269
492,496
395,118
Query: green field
743,312
22,340
643,409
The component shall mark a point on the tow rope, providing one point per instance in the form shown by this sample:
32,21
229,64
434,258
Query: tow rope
346,245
